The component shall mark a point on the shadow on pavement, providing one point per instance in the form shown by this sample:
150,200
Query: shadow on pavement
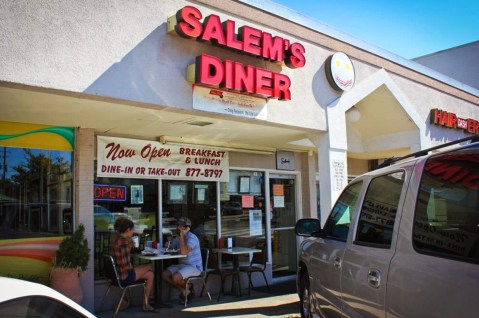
280,301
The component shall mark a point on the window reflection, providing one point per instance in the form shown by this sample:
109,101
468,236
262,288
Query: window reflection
243,209
241,212
35,192
195,200
136,199
446,222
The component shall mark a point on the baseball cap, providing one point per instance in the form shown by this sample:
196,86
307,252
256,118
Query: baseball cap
183,221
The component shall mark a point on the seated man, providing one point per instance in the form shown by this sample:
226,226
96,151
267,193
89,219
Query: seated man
188,244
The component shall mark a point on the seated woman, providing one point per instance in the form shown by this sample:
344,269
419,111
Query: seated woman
120,249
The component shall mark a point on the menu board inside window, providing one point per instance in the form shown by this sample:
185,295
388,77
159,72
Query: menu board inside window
201,194
137,194
244,184
177,193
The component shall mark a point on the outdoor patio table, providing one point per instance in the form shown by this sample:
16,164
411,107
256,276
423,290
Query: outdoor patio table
159,258
235,252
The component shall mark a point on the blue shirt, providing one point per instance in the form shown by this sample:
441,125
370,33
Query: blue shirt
194,256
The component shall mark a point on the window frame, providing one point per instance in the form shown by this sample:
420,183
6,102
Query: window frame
399,196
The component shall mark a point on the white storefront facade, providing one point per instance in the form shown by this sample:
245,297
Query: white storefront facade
232,113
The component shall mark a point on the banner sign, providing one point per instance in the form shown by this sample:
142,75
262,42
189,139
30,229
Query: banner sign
133,158
230,103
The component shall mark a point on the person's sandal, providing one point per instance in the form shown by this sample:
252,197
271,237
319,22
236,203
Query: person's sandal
149,308
182,298
191,295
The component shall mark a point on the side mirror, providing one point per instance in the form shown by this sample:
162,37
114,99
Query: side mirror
308,227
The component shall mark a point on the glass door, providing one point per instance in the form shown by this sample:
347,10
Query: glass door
283,220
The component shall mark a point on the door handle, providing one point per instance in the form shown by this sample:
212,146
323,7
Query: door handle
374,277
337,262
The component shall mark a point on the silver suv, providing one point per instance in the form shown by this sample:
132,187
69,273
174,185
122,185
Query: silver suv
401,241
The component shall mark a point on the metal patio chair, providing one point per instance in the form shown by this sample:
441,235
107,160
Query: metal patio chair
257,265
111,272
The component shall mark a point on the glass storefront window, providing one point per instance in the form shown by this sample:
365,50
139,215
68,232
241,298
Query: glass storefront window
242,209
136,199
195,200
35,193
241,205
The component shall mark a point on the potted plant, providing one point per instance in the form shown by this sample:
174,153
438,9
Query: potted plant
71,260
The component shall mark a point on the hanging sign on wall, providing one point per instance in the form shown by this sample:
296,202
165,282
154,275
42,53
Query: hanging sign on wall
226,74
450,120
340,72
285,160
133,158
229,103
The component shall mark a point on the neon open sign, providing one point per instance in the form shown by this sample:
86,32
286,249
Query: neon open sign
107,192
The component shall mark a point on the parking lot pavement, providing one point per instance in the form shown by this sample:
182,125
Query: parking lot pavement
281,301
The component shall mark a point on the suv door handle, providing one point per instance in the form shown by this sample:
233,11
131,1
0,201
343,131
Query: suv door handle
374,277
337,262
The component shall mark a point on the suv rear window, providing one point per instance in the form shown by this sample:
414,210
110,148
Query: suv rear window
447,209
378,213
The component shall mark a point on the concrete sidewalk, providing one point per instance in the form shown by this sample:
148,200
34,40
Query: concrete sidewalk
281,301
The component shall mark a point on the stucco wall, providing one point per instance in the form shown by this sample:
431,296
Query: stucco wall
459,62
423,98
121,49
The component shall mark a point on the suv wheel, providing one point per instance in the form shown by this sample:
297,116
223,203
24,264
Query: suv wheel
305,296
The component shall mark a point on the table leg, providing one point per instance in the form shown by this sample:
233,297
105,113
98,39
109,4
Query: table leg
236,269
235,262
159,286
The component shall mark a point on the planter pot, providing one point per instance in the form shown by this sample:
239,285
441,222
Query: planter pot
67,282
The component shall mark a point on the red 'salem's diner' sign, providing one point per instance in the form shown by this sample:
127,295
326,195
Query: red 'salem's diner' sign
249,40
232,75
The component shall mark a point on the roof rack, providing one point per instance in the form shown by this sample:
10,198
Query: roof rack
424,152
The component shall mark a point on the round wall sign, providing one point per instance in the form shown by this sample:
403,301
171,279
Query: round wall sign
340,71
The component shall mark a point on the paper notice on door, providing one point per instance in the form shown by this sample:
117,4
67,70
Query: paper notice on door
278,189
247,201
278,201
255,227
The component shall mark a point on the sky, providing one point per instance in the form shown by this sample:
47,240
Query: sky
408,28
